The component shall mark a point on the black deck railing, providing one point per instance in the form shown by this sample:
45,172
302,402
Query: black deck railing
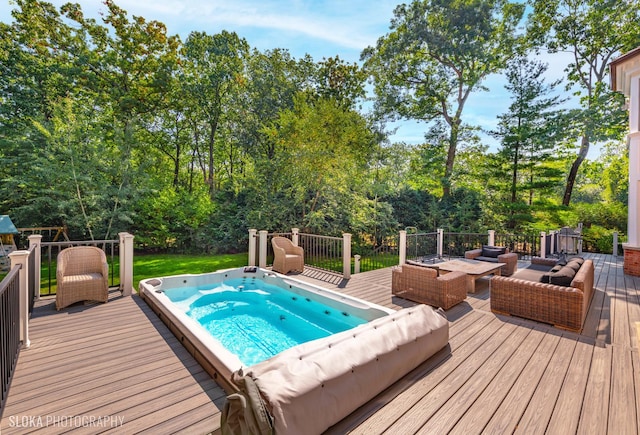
525,245
322,252
456,244
9,329
34,287
377,253
422,246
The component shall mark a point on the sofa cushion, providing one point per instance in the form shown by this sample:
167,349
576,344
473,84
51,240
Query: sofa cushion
492,251
310,387
562,277
489,259
575,264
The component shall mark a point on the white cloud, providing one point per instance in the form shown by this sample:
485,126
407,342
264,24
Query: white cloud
353,25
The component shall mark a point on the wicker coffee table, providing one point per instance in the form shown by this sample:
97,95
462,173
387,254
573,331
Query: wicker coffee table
473,268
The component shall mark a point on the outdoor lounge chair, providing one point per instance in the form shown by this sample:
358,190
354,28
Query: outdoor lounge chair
496,254
286,256
82,275
423,285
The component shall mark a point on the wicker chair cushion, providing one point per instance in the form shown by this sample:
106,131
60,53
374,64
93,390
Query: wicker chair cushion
493,251
488,259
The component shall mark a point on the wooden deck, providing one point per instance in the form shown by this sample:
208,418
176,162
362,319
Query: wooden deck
498,375
115,360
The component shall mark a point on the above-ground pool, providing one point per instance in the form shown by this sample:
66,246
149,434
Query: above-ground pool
236,318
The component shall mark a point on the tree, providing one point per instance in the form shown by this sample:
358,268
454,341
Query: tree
93,85
324,149
437,54
340,81
212,81
592,32
529,132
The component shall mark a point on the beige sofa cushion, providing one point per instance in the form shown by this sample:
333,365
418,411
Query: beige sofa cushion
310,387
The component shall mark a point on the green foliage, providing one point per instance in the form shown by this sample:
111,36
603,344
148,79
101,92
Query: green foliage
598,239
437,54
113,125
322,148
593,32
528,133
169,219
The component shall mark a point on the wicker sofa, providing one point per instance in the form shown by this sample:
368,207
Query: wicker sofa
423,285
496,254
562,306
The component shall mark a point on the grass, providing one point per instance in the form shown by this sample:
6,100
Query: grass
156,265
153,266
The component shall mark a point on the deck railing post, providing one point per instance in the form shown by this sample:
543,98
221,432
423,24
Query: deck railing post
580,238
543,244
614,251
126,263
356,263
346,255
21,258
35,240
294,236
440,242
402,247
252,247
262,258
492,237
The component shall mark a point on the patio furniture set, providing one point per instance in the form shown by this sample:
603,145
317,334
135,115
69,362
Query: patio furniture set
549,290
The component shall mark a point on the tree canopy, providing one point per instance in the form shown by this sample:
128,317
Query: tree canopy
111,124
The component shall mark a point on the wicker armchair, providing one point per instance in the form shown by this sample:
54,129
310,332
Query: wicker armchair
82,275
510,260
423,285
286,255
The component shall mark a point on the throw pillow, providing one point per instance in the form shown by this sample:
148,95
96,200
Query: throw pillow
492,251
574,264
562,277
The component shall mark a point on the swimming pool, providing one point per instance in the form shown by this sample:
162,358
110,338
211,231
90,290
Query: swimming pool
217,317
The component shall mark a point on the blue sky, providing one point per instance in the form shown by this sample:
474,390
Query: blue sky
321,28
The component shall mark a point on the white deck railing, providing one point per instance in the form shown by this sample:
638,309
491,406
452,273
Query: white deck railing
323,252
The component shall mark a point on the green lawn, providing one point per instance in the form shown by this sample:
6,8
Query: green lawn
153,266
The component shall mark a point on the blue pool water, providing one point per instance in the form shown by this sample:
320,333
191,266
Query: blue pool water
256,320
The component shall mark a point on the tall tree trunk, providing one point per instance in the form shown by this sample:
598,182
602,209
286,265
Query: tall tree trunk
451,156
213,127
514,176
573,173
